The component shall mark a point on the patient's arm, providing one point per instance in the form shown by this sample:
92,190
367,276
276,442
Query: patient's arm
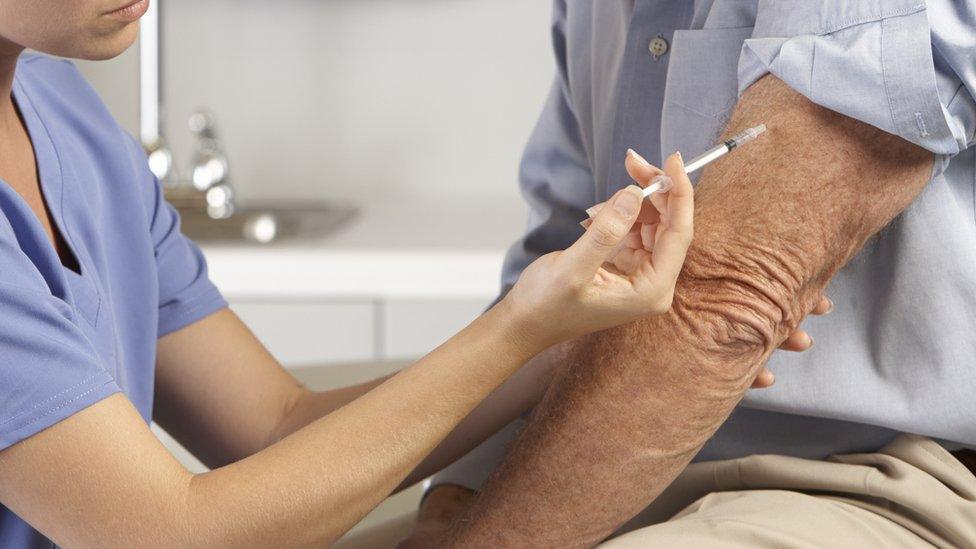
774,222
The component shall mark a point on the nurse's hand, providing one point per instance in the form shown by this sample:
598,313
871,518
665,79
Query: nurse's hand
602,281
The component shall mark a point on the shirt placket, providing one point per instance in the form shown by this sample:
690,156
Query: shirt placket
637,120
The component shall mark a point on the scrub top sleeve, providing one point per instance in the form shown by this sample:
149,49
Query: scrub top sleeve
48,368
902,66
186,293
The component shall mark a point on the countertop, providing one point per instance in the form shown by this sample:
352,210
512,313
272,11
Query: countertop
391,249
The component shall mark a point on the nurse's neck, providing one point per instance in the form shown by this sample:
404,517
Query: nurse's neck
9,52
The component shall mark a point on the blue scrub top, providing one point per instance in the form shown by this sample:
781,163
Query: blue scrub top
68,340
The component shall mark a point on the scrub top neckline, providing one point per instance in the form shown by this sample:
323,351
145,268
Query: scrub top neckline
80,288
50,179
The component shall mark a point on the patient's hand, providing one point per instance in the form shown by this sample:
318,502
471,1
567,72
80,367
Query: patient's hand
440,506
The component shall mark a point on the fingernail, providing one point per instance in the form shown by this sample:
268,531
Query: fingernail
628,201
809,341
595,209
633,154
680,159
830,305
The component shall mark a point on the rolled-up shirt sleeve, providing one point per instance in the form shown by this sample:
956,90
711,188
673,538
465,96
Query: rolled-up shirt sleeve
904,66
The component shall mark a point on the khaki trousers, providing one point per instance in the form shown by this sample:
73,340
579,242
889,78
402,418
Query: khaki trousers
911,493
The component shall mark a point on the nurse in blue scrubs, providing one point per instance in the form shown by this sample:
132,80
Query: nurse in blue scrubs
108,320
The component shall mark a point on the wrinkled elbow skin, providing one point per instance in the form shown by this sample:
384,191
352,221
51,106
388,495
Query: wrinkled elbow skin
738,303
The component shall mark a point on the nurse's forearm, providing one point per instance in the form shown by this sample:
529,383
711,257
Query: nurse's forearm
310,406
515,397
774,222
99,478
317,483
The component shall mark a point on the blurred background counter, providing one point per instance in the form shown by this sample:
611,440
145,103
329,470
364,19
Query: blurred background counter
394,282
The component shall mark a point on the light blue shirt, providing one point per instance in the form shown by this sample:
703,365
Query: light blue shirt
69,339
899,351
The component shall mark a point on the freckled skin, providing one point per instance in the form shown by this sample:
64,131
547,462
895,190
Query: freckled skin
774,222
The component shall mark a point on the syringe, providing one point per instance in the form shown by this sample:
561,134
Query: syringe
662,183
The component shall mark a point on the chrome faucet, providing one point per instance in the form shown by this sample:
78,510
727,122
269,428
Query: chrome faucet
209,169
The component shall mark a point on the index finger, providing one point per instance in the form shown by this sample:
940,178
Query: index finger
677,229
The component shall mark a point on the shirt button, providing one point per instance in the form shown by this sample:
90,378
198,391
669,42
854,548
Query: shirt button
658,47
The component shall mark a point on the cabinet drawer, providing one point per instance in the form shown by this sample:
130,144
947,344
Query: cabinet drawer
305,333
411,329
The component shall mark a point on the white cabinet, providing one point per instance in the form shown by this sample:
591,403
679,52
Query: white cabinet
302,333
307,332
413,328
395,282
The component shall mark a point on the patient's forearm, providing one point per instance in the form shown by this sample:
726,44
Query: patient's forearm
774,222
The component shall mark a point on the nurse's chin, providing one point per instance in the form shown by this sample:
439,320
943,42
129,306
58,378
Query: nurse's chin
98,46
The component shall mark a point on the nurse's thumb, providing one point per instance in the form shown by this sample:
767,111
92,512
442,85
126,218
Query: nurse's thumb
604,235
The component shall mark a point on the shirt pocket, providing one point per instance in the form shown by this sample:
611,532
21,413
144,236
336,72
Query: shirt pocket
701,88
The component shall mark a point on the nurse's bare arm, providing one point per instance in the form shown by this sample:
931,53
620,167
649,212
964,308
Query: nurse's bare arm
224,396
100,478
774,222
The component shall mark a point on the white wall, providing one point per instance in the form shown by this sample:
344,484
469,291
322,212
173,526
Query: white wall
342,98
